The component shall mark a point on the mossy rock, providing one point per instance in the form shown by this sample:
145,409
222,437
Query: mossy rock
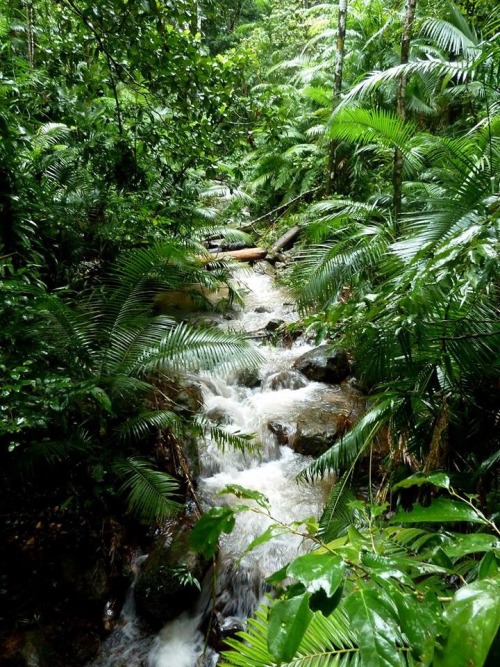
166,585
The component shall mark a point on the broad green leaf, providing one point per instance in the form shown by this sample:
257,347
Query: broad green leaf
439,479
288,622
417,621
441,510
386,567
473,620
396,566
102,398
247,494
375,628
206,533
320,601
441,558
488,567
318,571
469,544
278,576
270,533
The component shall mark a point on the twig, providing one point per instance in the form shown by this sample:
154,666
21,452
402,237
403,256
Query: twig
278,208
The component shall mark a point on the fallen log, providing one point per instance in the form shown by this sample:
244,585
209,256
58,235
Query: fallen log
243,255
287,239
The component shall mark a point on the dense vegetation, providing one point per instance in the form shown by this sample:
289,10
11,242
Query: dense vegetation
133,131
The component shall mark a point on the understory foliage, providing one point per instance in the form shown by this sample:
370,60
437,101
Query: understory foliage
112,117
131,134
391,589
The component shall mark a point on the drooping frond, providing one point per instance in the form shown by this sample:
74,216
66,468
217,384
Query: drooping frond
344,261
355,442
224,192
385,128
337,516
447,36
243,442
141,425
458,71
183,348
149,492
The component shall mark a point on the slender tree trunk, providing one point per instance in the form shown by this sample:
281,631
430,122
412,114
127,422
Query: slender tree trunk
397,177
31,35
337,90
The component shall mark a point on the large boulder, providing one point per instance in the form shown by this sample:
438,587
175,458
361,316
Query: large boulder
324,364
320,422
166,585
284,380
317,430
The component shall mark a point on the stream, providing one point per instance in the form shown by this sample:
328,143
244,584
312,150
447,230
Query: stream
280,395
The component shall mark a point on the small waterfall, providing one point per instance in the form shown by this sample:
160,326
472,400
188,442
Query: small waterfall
262,408
128,645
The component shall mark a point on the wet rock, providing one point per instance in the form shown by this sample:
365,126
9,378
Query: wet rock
223,629
324,364
284,380
218,415
248,377
111,613
189,397
165,586
235,245
262,309
316,431
89,583
321,424
280,430
274,325
264,268
28,649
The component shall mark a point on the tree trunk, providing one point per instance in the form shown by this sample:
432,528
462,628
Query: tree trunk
337,90
397,177
244,255
286,239
31,35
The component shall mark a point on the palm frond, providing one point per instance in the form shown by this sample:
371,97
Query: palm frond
355,442
458,71
368,126
447,36
329,267
243,442
328,642
337,516
149,492
183,348
140,426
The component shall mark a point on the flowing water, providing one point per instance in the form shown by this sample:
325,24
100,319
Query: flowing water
271,469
